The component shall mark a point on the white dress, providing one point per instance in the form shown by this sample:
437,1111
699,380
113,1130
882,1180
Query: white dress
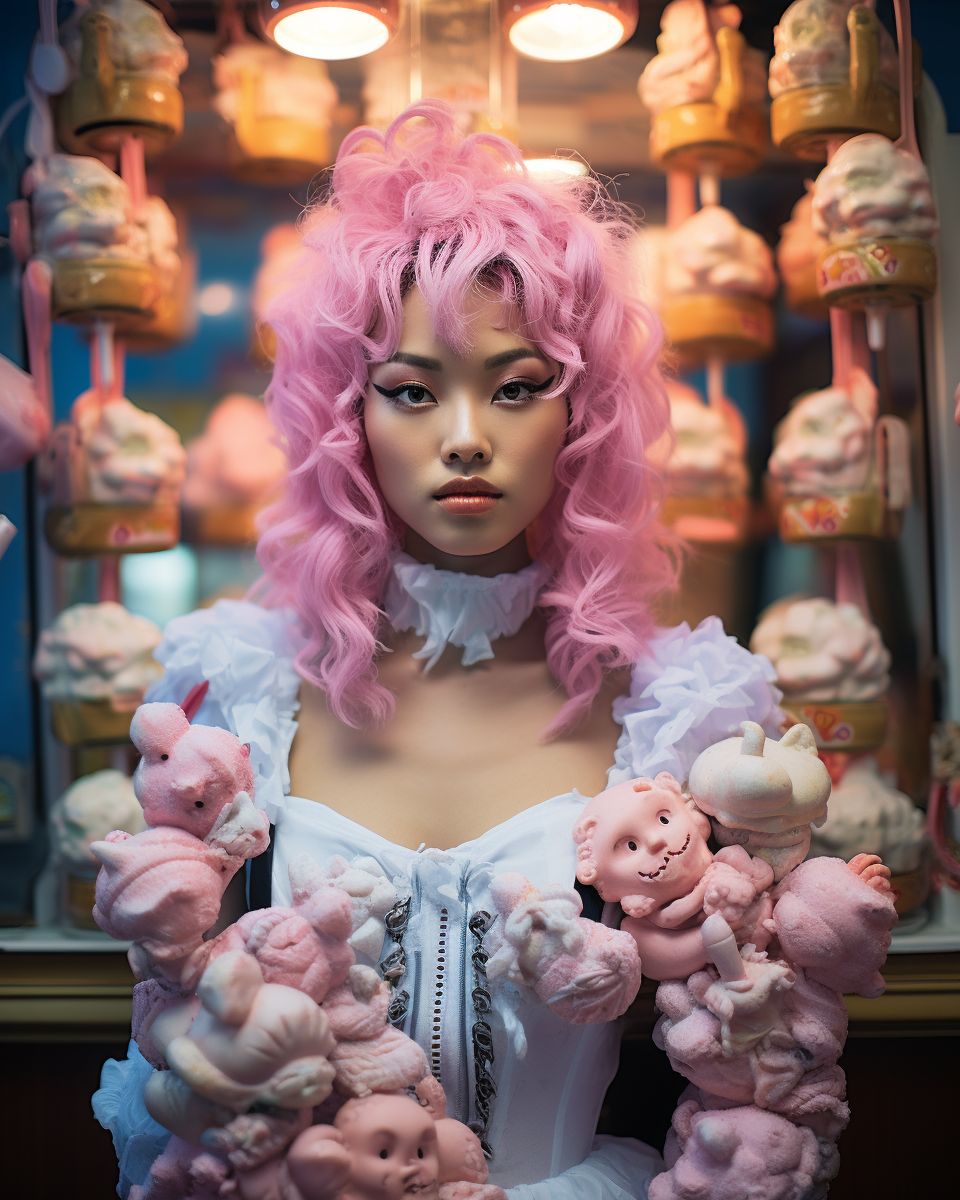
692,689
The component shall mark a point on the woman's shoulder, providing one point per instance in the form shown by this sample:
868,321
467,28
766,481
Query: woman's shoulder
690,689
246,654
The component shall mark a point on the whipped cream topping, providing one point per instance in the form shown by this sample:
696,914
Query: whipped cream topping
825,440
712,252
822,651
868,815
285,85
812,47
91,808
98,652
81,209
450,608
872,188
708,454
140,41
129,456
686,67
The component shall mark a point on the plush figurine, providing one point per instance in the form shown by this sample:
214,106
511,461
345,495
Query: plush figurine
383,1147
740,1152
251,1042
188,773
370,1055
644,844
763,794
584,971
775,1045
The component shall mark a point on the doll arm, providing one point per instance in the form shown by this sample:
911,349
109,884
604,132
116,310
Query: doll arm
666,953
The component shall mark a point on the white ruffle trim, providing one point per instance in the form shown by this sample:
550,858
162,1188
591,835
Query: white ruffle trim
690,690
615,1169
448,608
247,653
119,1107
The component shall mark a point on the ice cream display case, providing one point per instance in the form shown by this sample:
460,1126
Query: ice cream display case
789,172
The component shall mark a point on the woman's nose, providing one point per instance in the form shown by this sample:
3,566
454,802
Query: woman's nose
465,439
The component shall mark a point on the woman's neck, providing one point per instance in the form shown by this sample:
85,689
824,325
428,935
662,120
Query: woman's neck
506,561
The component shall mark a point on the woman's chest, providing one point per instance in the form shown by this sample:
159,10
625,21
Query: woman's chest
463,753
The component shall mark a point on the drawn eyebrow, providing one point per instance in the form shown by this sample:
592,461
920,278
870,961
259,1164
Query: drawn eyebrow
416,360
511,356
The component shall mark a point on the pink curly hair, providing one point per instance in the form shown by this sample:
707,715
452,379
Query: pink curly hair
423,206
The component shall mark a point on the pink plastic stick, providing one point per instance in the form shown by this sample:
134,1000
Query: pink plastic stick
48,22
108,577
849,587
720,943
18,212
908,134
35,289
132,170
714,381
681,197
840,345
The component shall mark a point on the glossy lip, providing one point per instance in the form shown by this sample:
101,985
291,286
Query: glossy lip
472,485
467,497
666,861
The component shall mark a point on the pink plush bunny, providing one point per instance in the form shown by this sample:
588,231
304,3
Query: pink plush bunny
834,920
734,1153
584,971
188,773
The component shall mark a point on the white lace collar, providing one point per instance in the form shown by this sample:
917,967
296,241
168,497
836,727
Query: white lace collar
448,608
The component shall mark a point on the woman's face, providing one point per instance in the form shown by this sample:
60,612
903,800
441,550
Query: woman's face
464,442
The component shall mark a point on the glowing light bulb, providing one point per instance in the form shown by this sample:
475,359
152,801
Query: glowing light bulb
557,166
330,32
567,32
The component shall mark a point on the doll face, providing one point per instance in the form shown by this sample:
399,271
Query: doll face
464,441
648,843
393,1148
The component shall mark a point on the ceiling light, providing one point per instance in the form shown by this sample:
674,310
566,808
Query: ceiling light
573,167
330,29
567,32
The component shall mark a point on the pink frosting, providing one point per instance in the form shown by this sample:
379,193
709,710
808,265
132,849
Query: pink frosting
812,47
712,252
236,459
826,440
686,68
872,188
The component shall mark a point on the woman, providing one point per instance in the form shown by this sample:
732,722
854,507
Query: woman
466,387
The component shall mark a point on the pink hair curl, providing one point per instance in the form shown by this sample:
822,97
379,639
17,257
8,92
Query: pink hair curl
423,206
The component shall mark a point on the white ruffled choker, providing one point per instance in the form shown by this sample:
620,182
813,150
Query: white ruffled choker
449,608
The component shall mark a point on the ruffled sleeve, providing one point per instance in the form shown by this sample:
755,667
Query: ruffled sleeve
247,653
691,689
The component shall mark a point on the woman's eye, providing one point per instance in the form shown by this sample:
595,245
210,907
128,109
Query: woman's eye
520,389
413,395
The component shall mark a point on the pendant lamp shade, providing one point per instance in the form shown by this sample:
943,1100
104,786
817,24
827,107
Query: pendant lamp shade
567,32
330,29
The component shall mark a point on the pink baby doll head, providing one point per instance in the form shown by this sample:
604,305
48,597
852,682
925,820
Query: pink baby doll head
642,840
393,1147
188,773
